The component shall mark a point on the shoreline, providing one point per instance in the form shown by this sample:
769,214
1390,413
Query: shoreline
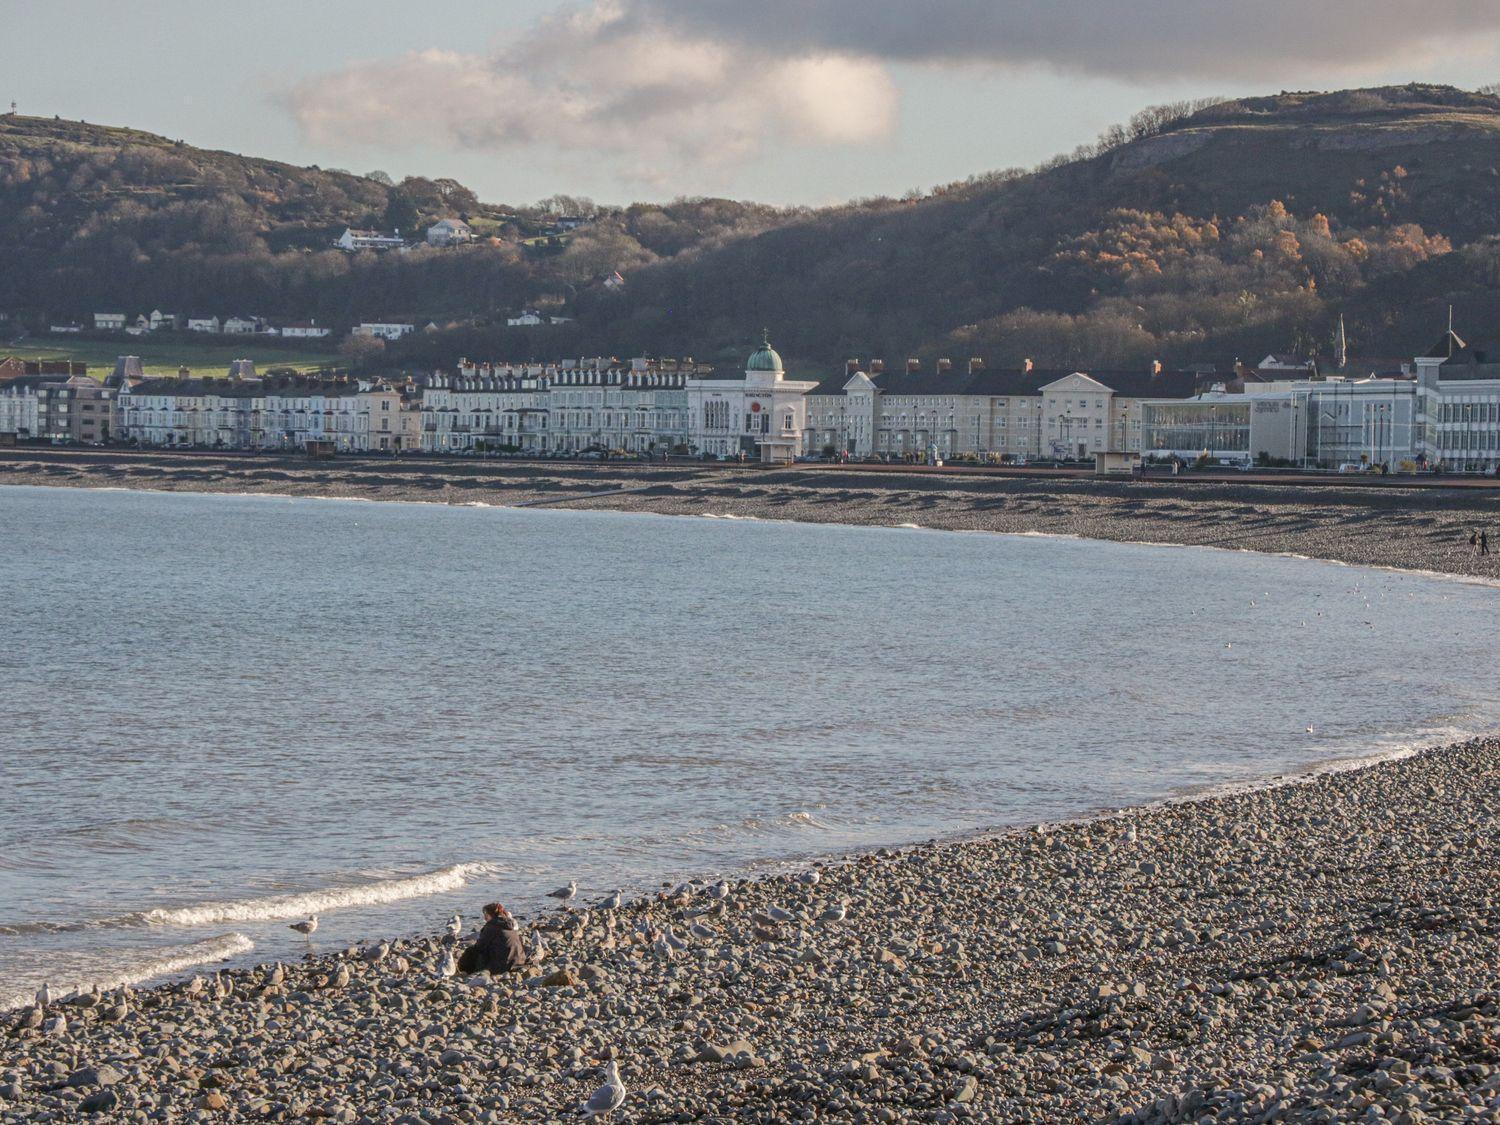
1422,529
1139,964
937,1011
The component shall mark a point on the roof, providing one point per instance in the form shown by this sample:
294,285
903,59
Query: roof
1001,383
765,357
1449,344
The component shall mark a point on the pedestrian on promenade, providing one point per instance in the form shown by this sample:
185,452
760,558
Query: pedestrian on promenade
1484,542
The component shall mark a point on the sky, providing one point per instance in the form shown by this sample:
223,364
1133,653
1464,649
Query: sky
784,101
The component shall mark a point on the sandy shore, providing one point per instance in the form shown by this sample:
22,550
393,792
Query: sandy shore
1415,528
1323,951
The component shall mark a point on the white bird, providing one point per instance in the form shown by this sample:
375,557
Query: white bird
607,1098
663,948
699,930
671,938
719,890
57,1025
305,928
613,901
538,947
449,967
456,926
809,878
836,913
44,995
564,894
779,914
1309,730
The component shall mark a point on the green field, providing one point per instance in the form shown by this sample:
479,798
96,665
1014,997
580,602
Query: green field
164,357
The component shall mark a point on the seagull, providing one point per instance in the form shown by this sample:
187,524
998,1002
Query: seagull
538,947
607,1098
719,890
44,996
564,894
698,930
449,967
663,948
836,913
276,975
671,938
809,878
1309,729
613,901
307,927
456,926
57,1025
779,915
376,954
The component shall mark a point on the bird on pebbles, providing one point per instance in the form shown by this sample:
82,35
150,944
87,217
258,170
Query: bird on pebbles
564,894
449,965
44,995
613,901
609,1097
456,926
809,878
835,913
307,927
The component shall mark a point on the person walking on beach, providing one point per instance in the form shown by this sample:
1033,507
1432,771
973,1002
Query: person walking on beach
499,948
1474,541
1484,542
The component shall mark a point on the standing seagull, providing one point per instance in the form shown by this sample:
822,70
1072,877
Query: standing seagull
456,926
44,996
564,894
613,901
719,891
449,967
307,927
607,1098
809,878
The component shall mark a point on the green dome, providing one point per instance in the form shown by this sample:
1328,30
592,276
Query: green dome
765,357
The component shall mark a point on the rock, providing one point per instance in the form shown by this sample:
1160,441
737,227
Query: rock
94,1076
103,1101
560,979
964,1092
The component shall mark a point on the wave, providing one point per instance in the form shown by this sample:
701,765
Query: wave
297,905
83,967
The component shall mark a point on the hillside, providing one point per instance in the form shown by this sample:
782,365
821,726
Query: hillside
1240,229
1200,233
97,217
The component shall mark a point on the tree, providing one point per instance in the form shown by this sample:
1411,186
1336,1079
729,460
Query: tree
400,212
381,177
362,352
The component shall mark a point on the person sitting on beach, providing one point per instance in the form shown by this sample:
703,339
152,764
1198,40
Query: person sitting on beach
499,948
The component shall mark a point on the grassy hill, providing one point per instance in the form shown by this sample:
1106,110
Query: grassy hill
1235,229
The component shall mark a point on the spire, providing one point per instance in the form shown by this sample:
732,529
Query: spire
1341,356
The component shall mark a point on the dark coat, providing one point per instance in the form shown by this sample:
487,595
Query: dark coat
499,948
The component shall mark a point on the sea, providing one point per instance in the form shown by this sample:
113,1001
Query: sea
221,714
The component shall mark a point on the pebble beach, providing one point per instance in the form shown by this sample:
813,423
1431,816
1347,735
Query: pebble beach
1322,948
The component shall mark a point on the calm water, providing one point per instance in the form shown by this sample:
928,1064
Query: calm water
220,713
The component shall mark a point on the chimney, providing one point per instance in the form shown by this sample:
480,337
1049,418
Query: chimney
976,365
851,366
877,367
1028,365
184,372
945,366
1155,367
913,366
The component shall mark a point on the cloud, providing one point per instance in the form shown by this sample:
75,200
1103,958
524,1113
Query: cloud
650,100
659,87
1130,39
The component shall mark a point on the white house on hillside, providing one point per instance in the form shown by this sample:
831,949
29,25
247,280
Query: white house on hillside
306,330
383,331
449,232
109,322
241,325
203,324
352,240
